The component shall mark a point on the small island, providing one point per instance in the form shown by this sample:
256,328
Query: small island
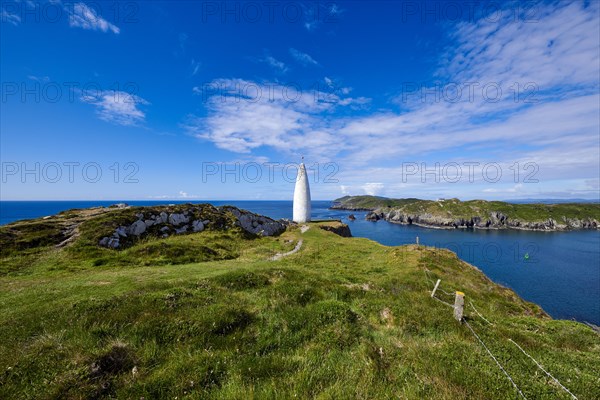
474,214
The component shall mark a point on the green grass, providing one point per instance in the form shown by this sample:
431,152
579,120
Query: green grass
207,315
455,208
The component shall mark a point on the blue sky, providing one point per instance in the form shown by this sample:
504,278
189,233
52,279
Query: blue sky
213,100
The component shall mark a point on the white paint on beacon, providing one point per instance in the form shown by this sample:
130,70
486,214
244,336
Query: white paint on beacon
301,197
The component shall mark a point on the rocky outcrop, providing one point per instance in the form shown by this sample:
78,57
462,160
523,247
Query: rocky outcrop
495,220
339,229
189,219
257,224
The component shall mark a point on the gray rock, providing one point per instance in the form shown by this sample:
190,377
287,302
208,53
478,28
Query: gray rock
255,223
181,230
137,228
163,217
104,242
178,219
165,229
149,223
139,216
197,226
113,243
121,231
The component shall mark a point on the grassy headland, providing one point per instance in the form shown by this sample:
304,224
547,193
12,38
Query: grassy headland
209,315
476,213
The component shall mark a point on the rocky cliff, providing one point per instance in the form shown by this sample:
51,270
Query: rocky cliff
475,214
495,220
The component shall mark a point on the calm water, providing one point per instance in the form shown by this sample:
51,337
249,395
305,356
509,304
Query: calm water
558,270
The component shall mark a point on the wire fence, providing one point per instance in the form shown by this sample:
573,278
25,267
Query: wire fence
437,289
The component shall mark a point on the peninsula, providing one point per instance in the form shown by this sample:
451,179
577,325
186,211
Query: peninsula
475,214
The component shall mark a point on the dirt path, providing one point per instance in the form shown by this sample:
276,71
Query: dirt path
279,256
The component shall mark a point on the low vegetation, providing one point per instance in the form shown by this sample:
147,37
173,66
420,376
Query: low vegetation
209,315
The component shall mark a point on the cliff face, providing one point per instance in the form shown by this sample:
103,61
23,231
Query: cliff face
495,220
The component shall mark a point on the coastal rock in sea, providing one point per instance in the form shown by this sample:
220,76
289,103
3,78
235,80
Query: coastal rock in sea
197,226
178,219
351,217
372,216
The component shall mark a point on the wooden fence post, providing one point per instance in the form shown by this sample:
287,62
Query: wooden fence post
459,303
435,288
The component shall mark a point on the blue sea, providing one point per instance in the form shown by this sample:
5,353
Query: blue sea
560,271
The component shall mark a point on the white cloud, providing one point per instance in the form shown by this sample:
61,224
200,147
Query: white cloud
558,132
302,58
373,188
13,19
186,195
279,66
245,115
316,14
195,66
82,16
39,78
118,107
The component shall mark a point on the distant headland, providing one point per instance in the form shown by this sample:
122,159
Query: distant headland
475,214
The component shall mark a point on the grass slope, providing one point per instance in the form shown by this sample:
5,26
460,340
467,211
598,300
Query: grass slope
466,209
341,318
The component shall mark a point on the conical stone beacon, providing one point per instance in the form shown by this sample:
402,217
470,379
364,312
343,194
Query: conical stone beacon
301,197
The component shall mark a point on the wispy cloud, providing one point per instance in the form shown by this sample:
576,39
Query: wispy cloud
303,58
39,78
10,18
373,188
270,114
558,131
273,62
195,67
316,14
118,107
82,16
